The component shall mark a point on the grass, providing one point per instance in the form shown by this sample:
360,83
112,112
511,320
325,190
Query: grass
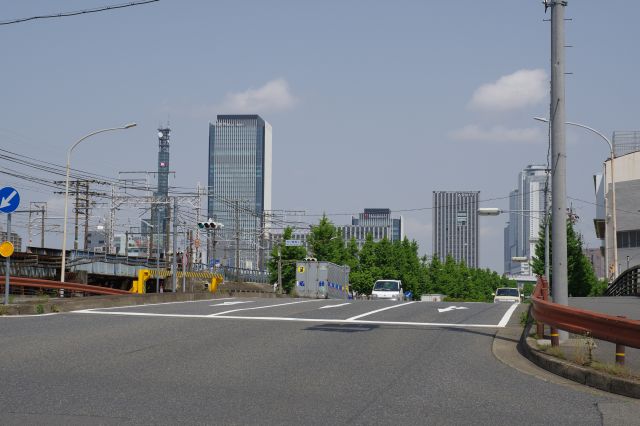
614,370
554,351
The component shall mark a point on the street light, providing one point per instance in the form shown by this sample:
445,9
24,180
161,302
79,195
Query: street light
613,187
66,190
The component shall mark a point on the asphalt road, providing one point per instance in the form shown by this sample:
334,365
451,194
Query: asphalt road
312,362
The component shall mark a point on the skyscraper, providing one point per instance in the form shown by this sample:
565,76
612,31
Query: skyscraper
526,205
455,226
239,188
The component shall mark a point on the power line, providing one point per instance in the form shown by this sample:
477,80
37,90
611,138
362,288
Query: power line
79,12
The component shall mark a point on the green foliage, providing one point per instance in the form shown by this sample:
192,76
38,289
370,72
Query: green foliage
599,288
399,260
289,256
580,275
39,309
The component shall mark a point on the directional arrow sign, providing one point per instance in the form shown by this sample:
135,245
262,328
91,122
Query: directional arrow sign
9,199
231,303
451,308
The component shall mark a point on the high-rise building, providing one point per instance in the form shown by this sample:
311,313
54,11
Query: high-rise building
377,222
239,191
526,206
455,226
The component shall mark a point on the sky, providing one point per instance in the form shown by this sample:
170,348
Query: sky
372,103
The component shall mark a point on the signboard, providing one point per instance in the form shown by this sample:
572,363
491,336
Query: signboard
9,199
293,243
6,249
301,269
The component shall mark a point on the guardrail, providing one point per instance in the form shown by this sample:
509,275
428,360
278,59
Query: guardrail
619,330
33,283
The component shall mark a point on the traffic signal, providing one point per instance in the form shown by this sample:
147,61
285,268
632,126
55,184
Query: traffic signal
209,224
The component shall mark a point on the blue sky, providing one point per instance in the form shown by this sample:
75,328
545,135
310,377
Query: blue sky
373,104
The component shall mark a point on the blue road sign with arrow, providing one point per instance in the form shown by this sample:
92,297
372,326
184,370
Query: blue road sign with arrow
9,199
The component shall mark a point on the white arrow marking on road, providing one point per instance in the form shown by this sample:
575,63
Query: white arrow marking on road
451,308
334,306
232,303
6,202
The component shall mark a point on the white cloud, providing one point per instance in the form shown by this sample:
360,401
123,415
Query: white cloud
473,132
520,89
275,95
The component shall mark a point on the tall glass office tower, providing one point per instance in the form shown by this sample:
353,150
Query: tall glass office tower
526,205
239,190
455,226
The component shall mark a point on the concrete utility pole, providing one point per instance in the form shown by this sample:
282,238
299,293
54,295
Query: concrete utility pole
558,156
174,265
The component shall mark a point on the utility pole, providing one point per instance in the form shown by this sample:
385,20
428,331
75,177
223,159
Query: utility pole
86,216
75,229
174,264
44,206
546,229
279,269
557,120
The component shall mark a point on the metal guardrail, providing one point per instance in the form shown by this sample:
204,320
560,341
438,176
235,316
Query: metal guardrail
626,284
619,330
18,282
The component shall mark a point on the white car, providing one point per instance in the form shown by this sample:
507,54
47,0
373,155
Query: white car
507,294
387,289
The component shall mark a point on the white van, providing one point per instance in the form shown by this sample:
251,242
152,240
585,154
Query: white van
387,289
507,294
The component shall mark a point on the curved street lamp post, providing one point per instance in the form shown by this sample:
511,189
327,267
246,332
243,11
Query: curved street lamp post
66,191
613,188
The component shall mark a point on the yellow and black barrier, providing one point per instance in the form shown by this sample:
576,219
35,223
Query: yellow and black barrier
145,274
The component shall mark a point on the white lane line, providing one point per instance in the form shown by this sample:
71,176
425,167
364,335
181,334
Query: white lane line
155,304
289,319
262,307
238,302
379,310
505,319
334,306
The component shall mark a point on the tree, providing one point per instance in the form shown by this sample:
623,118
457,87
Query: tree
580,276
326,242
288,255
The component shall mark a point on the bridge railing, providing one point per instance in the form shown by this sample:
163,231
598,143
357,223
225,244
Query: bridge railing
31,286
619,330
626,284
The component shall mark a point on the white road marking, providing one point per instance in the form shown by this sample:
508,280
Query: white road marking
313,320
262,307
505,319
334,306
233,303
451,308
29,316
157,304
379,310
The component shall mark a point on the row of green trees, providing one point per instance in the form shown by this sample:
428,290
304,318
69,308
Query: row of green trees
386,260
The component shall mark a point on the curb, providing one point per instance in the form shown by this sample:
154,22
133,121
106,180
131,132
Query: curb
583,375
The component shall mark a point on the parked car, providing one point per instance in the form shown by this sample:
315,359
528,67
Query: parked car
507,294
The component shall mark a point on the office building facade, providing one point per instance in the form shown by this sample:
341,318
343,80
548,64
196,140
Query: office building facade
455,226
377,222
239,189
526,215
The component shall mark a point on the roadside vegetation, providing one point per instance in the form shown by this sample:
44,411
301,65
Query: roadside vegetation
386,260
582,280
